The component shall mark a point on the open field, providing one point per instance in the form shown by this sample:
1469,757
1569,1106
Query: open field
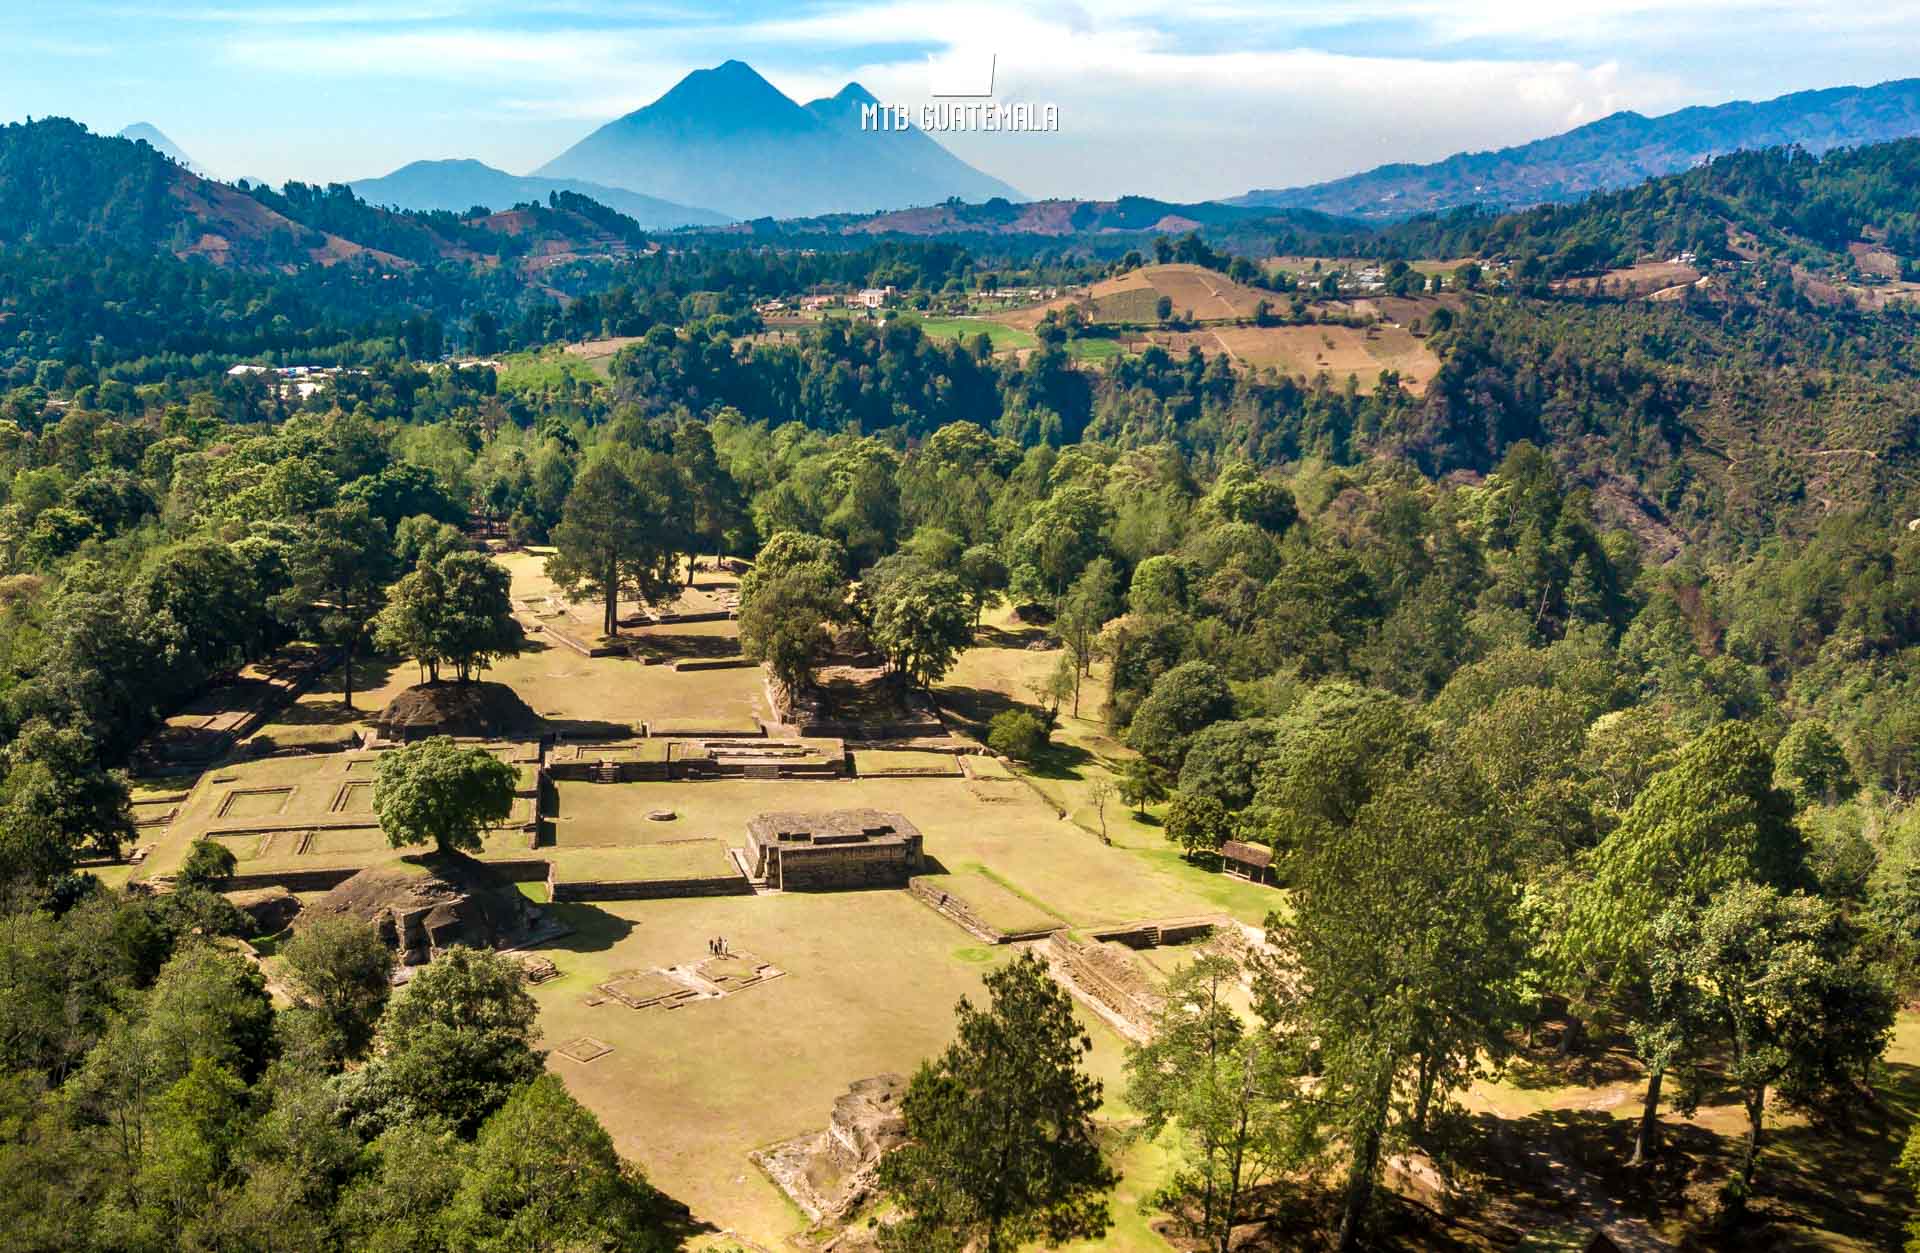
1003,336
596,354
1647,279
1336,351
584,693
688,1092
1215,302
539,371
615,815
871,762
1134,296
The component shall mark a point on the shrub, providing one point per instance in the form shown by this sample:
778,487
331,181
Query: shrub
209,863
1017,734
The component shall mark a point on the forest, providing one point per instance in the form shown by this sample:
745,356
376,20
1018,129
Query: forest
1583,686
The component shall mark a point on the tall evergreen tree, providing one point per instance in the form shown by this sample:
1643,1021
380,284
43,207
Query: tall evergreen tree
1001,1148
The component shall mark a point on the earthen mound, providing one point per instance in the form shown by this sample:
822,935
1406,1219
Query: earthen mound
481,710
426,905
271,909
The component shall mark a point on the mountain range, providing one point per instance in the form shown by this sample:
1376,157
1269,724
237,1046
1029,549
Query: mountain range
727,139
459,185
1616,151
62,185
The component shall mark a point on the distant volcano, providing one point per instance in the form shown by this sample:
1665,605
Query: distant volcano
459,185
728,139
152,135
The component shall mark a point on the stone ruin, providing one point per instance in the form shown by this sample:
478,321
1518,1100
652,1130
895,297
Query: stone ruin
670,987
836,848
421,910
829,1174
1103,973
1107,978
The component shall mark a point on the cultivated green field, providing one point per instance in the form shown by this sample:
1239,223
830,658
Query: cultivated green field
1003,337
536,372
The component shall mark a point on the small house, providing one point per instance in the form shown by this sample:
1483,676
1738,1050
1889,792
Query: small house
1252,862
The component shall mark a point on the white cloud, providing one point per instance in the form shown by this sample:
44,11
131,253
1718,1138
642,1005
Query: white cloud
1149,100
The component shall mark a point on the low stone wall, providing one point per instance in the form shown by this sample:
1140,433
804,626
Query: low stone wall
323,879
1150,934
626,771
561,637
647,889
524,869
695,733
713,663
292,880
837,729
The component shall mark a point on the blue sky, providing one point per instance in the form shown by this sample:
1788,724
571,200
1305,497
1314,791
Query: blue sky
1180,100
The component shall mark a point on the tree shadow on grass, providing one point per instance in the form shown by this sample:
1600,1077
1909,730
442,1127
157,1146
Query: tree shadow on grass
370,671
1059,761
1543,1067
975,707
1837,1176
998,637
676,1221
666,646
592,929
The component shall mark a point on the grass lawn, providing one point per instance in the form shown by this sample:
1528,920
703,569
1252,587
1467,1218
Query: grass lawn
869,762
564,687
999,904
541,371
688,1092
1003,337
683,859
1101,349
1002,826
615,814
320,717
1000,675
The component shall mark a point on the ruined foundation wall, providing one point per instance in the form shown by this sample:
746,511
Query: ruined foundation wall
1109,976
853,866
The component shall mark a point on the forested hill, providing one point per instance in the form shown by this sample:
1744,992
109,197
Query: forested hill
1782,203
1615,151
63,186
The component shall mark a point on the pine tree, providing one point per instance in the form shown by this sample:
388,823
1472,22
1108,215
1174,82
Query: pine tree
1001,1148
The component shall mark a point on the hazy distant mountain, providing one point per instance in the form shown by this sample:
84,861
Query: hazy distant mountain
728,138
459,185
165,147
1616,151
62,186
